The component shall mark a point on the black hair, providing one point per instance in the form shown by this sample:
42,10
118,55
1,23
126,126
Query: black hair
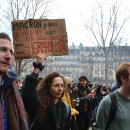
83,77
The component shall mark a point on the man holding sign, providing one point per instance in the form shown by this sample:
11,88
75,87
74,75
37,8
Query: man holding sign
12,114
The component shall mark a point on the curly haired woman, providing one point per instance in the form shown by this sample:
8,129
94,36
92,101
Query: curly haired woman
43,103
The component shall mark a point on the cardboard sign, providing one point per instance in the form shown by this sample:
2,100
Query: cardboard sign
39,35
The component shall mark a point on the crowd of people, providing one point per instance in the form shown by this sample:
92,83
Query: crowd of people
54,102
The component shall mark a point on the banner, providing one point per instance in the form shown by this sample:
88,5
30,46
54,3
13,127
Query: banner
39,35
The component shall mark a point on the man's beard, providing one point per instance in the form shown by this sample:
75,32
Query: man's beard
3,72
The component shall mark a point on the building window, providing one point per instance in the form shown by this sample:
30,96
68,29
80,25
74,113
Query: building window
96,72
73,57
96,60
102,72
74,64
102,65
73,69
96,65
102,77
77,63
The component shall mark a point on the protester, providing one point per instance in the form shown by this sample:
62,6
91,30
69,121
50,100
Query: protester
98,88
85,96
94,100
12,114
68,98
73,89
43,102
116,86
16,77
121,120
91,87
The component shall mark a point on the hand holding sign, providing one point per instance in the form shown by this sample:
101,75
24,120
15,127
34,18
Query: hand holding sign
41,57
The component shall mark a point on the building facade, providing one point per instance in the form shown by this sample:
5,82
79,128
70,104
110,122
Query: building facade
89,61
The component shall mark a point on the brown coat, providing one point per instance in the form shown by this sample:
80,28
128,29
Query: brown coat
10,109
15,112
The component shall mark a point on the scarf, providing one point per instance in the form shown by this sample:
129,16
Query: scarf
18,103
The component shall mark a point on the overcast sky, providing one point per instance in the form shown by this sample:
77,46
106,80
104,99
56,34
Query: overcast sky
75,11
72,10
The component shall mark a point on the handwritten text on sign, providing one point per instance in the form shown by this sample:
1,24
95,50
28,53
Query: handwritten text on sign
33,36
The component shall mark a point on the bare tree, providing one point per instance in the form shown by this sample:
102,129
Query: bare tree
22,10
106,28
120,55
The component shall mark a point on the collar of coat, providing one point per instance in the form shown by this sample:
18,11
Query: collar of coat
53,113
20,111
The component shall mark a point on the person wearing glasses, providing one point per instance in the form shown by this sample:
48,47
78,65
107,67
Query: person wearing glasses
42,101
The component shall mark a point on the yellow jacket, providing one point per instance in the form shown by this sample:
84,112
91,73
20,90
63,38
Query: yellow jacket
66,98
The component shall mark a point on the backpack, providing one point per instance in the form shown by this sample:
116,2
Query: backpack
112,112
68,110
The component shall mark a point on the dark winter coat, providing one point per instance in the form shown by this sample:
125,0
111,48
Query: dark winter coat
30,99
83,98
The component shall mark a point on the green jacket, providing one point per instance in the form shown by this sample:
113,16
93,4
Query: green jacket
30,99
122,117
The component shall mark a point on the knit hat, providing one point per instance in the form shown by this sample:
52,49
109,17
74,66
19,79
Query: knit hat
68,80
14,75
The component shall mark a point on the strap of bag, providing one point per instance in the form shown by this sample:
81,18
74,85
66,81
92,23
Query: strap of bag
59,118
33,122
67,110
113,109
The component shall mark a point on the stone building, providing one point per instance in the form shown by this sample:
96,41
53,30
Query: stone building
82,60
